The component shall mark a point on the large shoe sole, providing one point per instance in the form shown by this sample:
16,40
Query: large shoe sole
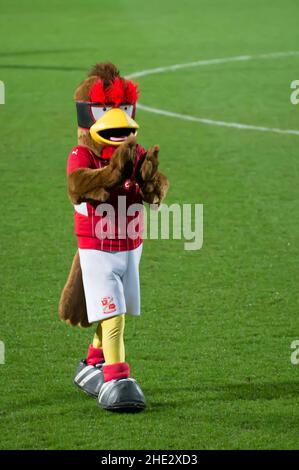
122,395
125,407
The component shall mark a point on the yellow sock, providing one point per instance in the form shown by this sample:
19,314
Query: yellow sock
112,339
97,339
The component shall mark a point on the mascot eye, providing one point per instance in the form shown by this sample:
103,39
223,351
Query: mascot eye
127,108
98,111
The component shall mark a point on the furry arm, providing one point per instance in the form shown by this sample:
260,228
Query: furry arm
94,184
153,184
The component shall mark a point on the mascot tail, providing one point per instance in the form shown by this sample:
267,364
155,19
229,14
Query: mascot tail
72,305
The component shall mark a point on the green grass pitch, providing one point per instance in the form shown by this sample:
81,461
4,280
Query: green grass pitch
212,347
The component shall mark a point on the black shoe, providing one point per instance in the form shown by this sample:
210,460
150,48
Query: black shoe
121,395
89,378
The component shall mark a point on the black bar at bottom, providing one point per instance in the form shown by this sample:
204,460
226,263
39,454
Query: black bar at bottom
137,458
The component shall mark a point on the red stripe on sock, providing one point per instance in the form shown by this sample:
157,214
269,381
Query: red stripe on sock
120,370
94,355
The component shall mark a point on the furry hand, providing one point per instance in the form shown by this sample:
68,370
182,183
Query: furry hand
122,162
153,185
150,164
154,191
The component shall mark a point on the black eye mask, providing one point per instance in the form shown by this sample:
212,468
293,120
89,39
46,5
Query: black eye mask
84,114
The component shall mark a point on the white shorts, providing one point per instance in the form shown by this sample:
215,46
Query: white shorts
111,282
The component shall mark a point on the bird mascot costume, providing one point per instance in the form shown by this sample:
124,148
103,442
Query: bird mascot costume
109,176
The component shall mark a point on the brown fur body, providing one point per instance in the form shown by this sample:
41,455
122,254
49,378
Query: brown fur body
85,184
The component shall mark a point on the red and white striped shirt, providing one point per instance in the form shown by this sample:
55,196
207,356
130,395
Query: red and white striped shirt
93,223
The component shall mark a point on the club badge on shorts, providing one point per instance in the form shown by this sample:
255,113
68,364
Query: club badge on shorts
108,306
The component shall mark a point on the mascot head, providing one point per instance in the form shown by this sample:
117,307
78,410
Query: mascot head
106,104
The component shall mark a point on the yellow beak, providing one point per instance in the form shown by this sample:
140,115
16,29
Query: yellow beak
113,127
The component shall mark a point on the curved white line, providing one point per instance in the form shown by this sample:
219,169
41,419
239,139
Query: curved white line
212,122
200,63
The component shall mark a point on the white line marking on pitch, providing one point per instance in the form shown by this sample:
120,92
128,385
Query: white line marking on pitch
200,63
212,122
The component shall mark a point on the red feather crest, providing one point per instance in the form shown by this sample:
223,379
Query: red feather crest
131,92
97,92
120,91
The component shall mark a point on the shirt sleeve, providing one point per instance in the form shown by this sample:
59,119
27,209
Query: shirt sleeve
78,158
